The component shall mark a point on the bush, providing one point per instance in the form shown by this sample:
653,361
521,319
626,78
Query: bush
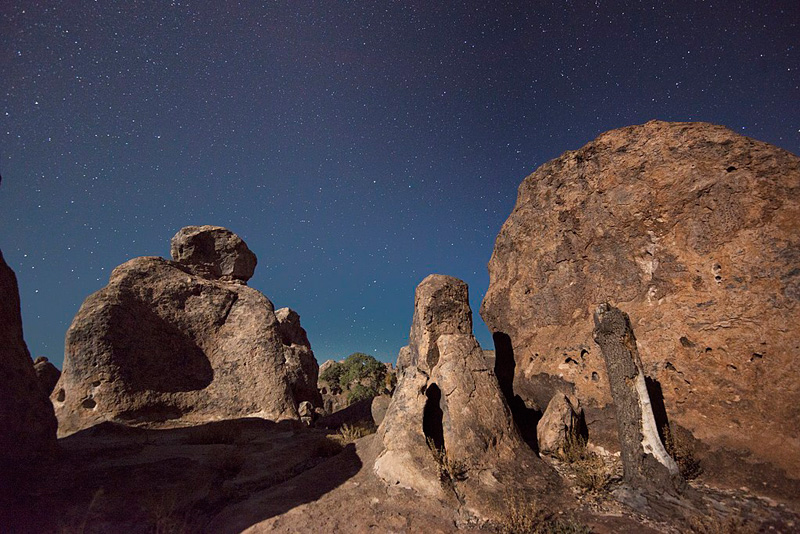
524,516
361,375
591,472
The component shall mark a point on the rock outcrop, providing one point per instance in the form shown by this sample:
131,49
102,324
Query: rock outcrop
27,423
46,373
448,432
645,462
184,339
695,230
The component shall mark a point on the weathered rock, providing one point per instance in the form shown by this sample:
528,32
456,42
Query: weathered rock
560,423
448,432
27,423
46,373
645,462
696,231
300,364
160,343
379,406
213,252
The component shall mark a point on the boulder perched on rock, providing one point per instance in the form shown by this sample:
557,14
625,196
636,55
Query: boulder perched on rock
27,423
186,340
46,373
696,231
213,252
448,432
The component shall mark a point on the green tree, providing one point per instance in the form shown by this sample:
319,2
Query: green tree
361,375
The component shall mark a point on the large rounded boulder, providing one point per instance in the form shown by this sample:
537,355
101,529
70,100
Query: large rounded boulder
695,231
183,340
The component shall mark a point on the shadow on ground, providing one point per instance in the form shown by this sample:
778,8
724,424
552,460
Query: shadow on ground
114,478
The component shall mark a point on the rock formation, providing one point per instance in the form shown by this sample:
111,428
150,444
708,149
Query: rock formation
448,432
695,230
27,423
184,339
560,423
47,374
645,462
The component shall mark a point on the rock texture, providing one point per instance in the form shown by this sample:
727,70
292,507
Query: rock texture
645,462
448,432
695,231
559,423
27,423
47,374
213,252
168,340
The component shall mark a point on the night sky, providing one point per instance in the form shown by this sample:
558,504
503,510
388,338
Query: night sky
355,146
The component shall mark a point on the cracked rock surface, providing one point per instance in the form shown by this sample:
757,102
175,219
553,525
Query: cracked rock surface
163,344
448,433
695,231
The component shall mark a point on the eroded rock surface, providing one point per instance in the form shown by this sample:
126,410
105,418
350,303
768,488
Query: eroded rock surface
166,340
448,432
46,373
213,252
695,231
27,423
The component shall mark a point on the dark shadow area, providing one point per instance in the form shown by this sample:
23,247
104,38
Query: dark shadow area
433,417
357,412
526,418
124,479
154,354
657,402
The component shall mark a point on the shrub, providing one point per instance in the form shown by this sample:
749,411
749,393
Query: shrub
361,375
448,468
350,433
591,472
525,517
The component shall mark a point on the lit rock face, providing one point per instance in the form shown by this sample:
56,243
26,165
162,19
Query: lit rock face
695,231
559,424
184,340
448,399
213,252
27,423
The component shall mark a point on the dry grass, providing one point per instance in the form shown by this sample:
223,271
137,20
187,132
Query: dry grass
682,453
350,433
591,472
450,470
524,516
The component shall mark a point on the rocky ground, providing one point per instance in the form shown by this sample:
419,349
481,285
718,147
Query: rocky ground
257,476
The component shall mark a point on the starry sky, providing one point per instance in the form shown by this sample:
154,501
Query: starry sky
355,146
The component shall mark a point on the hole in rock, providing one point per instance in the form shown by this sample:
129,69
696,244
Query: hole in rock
708,349
595,376
433,356
730,169
584,353
432,417
686,342
61,395
571,360
756,356
89,403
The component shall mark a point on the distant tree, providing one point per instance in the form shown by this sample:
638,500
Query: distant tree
361,375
